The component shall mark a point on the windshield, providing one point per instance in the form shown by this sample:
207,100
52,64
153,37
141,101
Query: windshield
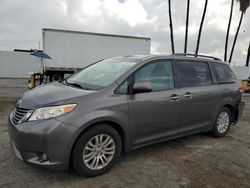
101,74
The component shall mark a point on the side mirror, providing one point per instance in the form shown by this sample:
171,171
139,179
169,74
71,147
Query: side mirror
142,87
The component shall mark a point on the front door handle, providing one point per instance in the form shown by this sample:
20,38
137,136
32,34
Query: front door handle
187,95
174,97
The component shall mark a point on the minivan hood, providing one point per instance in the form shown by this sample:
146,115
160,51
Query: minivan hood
51,94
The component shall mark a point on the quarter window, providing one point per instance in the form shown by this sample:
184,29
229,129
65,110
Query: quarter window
160,74
192,74
223,73
123,88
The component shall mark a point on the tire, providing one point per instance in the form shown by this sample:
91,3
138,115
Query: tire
57,77
86,151
222,122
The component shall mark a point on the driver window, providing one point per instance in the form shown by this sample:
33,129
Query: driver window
160,74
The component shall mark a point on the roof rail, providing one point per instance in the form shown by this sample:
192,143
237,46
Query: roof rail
194,55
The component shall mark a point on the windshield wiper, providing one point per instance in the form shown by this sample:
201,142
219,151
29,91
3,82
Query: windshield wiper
74,84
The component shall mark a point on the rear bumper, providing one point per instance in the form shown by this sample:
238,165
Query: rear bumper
241,108
44,143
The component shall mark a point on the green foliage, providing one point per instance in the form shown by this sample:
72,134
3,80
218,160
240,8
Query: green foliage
244,4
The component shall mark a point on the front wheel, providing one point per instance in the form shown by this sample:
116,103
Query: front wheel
96,151
222,123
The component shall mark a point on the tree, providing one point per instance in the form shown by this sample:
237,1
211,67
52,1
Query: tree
248,56
244,4
228,29
171,26
200,30
187,22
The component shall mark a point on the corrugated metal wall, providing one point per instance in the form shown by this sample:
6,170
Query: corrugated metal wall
17,64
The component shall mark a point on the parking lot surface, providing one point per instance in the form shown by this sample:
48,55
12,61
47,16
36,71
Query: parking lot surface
194,161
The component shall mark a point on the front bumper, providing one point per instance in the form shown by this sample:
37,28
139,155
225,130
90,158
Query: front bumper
46,143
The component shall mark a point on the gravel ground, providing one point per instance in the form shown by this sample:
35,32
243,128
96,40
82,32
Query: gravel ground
194,161
12,88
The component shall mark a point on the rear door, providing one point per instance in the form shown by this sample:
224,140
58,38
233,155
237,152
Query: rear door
198,96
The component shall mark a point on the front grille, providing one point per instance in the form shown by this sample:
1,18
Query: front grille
18,114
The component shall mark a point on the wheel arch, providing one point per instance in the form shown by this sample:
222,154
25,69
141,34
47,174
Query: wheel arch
234,112
113,124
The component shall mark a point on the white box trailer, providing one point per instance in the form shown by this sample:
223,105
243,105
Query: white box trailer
73,50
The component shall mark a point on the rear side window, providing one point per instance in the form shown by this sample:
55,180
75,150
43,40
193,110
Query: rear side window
160,74
223,73
192,74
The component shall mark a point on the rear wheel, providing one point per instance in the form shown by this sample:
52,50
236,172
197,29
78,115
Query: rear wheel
222,123
96,151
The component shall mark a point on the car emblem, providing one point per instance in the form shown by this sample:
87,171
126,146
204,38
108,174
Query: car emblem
18,103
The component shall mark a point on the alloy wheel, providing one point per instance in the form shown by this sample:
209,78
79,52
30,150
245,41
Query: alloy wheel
223,122
99,151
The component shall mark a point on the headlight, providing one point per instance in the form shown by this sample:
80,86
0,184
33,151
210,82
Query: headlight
53,111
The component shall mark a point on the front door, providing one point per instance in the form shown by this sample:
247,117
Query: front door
154,115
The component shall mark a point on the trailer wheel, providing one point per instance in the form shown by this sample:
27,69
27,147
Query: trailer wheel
57,77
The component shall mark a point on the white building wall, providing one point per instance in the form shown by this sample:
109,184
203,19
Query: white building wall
242,72
17,64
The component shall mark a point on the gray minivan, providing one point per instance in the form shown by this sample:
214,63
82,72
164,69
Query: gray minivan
120,104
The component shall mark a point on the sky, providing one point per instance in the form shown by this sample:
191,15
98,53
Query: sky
22,22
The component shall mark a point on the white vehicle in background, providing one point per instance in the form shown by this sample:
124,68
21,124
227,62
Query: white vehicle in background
73,50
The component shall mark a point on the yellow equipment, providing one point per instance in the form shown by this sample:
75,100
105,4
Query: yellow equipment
244,84
34,80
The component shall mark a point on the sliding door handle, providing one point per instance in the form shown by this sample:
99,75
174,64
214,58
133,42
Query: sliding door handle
187,95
